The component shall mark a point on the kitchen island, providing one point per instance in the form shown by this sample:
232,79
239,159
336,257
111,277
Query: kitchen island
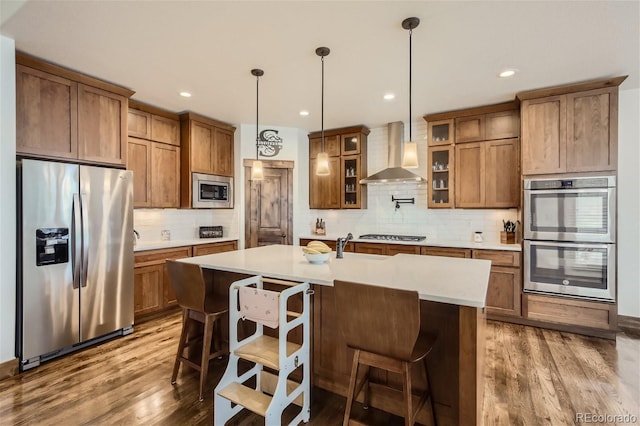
452,293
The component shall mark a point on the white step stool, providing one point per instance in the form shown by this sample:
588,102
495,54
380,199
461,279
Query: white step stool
272,393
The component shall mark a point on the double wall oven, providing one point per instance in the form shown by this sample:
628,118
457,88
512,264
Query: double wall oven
570,236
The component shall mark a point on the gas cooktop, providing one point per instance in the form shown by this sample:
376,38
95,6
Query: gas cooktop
388,237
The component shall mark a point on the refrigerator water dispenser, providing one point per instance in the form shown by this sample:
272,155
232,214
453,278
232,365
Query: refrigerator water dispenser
52,246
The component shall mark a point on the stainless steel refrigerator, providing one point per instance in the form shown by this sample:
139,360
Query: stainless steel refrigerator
75,255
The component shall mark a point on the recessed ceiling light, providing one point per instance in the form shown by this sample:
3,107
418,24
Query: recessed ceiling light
389,96
507,73
304,113
185,94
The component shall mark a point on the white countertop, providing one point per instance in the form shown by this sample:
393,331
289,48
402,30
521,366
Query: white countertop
153,245
439,279
426,242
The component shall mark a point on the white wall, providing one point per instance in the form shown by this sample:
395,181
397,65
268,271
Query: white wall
629,203
381,217
8,197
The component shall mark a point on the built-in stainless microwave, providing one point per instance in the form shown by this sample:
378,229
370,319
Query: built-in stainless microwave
212,192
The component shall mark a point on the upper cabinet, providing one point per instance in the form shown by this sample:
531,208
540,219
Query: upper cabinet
67,115
482,127
207,147
570,128
475,165
347,151
154,156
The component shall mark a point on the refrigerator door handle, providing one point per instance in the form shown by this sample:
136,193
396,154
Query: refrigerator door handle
85,241
77,240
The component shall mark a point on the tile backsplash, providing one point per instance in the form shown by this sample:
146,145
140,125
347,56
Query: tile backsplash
381,216
182,223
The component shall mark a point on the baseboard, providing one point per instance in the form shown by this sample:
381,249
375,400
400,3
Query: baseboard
629,324
9,369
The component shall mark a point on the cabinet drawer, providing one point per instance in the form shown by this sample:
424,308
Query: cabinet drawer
569,311
499,258
155,257
203,249
402,248
446,251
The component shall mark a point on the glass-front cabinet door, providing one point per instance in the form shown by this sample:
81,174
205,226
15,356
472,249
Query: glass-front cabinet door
440,163
350,144
440,132
350,177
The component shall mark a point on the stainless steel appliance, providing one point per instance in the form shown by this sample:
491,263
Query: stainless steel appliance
570,235
75,245
212,192
577,209
392,237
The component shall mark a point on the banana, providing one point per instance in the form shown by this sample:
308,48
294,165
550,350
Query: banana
310,250
319,246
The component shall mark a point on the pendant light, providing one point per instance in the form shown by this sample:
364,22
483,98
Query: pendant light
322,161
257,172
410,156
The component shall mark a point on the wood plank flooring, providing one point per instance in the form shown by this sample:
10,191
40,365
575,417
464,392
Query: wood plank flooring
533,377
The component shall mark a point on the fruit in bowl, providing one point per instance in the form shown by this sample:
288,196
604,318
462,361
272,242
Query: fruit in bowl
316,252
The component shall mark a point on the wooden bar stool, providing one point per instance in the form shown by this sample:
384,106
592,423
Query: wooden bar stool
382,325
189,286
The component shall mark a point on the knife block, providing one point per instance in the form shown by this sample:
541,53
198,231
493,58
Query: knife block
507,237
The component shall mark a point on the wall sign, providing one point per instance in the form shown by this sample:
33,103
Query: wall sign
270,143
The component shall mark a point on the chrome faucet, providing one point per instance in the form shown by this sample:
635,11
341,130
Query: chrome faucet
341,243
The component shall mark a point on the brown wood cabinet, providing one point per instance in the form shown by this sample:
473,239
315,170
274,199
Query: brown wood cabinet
156,173
570,128
331,243
211,248
67,115
482,127
154,124
441,176
487,174
386,249
440,132
578,313
152,288
446,251
341,189
207,147
505,282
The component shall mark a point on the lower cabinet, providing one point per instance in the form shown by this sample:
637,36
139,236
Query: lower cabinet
386,249
505,282
577,313
330,243
152,287
446,251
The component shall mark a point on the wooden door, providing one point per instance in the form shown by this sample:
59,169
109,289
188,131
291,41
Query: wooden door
592,130
147,284
269,204
502,174
139,162
201,148
331,146
440,166
139,124
222,153
324,191
470,129
446,251
46,114
350,187
165,175
504,292
372,248
102,130
544,134
502,125
165,130
470,175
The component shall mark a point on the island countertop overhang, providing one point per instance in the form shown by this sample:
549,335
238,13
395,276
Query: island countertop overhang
456,281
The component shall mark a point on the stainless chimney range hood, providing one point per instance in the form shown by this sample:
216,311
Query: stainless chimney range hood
394,173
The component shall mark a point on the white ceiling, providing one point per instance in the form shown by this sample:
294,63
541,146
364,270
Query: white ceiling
159,48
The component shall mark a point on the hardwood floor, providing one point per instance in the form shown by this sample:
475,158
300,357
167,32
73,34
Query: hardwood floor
533,377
